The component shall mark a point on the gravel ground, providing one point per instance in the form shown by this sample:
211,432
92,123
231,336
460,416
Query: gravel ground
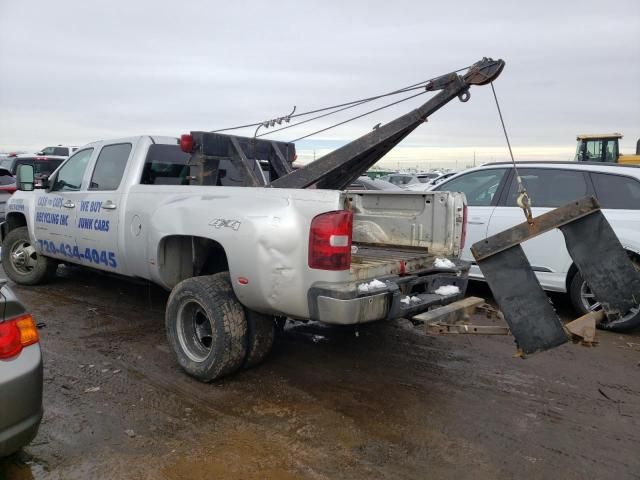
383,401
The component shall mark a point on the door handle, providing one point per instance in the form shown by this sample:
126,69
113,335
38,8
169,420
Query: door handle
476,222
69,204
109,205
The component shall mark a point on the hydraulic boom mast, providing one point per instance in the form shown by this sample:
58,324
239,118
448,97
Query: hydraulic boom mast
339,168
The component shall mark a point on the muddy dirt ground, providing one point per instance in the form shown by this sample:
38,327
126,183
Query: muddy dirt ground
384,401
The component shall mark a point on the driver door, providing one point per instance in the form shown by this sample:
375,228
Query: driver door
56,208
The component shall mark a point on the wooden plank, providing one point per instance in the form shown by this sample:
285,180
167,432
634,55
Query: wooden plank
452,312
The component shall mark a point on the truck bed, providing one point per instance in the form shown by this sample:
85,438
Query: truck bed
375,261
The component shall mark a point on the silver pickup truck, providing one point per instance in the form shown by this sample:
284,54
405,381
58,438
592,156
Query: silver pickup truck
241,238
235,257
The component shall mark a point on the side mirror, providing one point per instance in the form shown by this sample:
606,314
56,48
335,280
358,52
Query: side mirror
25,178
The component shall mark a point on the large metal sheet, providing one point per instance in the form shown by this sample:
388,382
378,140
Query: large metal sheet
594,248
541,224
526,308
604,264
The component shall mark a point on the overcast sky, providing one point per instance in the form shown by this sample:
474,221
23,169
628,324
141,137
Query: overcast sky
72,72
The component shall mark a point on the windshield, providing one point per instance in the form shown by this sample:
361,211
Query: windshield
401,179
7,163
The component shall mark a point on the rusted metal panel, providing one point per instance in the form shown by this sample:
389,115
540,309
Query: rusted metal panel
595,250
606,267
532,319
543,223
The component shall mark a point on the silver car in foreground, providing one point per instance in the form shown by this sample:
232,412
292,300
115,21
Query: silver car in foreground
20,375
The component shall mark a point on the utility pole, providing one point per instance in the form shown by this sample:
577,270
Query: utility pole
474,158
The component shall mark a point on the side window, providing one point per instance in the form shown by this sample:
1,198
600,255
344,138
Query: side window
549,187
615,191
69,177
165,165
109,168
479,187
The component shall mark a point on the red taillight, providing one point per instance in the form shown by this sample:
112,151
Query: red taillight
16,334
330,241
463,235
9,189
186,143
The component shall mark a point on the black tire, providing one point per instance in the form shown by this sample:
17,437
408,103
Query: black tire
577,290
206,327
261,333
21,262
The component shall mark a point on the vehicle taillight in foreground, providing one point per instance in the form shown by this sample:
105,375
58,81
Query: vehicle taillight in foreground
330,241
8,189
186,143
463,236
15,334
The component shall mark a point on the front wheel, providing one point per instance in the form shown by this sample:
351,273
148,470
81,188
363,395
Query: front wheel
206,327
584,301
22,263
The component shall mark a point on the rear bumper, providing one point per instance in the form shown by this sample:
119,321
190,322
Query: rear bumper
344,304
20,434
20,399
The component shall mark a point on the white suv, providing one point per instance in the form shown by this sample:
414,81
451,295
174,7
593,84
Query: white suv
491,193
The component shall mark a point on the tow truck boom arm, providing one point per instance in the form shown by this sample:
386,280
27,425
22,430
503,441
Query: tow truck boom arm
339,168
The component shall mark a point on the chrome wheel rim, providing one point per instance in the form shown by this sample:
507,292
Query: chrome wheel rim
195,331
588,299
23,257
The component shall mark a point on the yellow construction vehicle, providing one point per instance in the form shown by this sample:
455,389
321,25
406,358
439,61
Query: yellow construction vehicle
604,148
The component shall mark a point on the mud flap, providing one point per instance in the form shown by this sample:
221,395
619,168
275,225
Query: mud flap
595,250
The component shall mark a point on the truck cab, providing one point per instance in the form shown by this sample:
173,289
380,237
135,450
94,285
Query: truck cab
604,148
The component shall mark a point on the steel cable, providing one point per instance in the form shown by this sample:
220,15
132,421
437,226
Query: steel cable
524,202
338,108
